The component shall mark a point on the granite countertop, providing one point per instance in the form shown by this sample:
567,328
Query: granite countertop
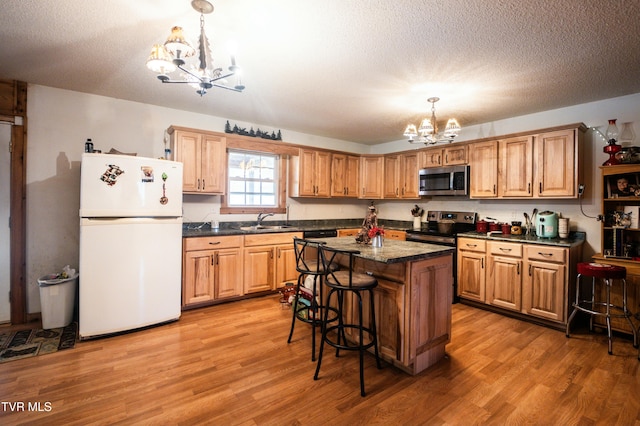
200,229
574,239
392,251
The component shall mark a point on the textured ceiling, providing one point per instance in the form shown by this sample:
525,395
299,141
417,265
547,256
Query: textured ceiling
357,70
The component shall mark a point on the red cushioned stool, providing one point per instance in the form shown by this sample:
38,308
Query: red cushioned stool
609,275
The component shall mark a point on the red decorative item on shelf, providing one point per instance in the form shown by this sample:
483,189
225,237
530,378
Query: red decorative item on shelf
611,148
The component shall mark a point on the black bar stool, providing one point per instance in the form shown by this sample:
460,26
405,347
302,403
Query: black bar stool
339,283
308,264
609,274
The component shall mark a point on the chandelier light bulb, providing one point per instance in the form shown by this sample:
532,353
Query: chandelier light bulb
428,129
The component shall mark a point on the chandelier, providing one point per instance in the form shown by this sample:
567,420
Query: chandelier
164,59
428,130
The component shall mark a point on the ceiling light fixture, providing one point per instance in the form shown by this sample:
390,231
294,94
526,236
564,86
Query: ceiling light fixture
428,130
164,59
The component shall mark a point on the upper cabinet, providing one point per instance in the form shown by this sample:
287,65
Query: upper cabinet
483,170
557,163
204,159
401,175
452,155
344,175
310,174
371,176
516,167
543,165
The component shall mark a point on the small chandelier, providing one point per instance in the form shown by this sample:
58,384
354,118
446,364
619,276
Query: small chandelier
164,59
428,130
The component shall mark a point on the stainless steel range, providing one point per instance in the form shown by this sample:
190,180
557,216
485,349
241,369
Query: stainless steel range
432,233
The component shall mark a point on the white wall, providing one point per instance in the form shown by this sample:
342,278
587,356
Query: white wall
61,120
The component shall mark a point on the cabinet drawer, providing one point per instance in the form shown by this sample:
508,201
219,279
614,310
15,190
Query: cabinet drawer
498,248
270,239
210,243
472,244
546,253
394,234
348,232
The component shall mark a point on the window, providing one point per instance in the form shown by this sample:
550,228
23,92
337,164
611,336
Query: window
255,182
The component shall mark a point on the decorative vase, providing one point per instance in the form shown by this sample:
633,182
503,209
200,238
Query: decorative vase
376,241
417,222
611,148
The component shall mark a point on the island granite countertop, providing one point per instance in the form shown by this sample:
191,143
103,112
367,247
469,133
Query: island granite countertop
392,251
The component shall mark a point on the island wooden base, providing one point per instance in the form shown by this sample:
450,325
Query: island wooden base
413,310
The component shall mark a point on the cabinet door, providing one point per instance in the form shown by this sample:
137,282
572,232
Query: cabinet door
392,176
186,147
389,299
285,265
338,175
228,273
557,165
455,155
409,176
258,269
516,167
198,277
504,282
431,158
471,275
543,293
307,173
352,175
371,177
323,174
213,151
484,170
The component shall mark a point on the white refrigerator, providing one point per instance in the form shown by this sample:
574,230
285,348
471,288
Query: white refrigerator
130,243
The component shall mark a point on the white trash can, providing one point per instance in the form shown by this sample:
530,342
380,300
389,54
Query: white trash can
57,300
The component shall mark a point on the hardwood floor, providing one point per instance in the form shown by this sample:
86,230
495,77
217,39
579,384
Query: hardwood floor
230,364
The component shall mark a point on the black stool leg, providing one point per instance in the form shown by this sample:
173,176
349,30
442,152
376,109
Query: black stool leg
374,329
324,335
294,308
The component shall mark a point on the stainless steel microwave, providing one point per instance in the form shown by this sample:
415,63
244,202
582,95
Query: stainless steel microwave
451,180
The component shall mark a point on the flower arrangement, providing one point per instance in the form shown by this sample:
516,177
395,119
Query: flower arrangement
375,231
417,211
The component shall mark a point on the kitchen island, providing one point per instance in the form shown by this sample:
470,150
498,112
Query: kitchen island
412,301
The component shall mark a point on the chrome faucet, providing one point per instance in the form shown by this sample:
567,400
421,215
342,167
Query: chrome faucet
263,216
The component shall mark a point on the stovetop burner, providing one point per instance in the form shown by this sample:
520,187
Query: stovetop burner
463,222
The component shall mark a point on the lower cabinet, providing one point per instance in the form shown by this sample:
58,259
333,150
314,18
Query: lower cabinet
504,275
544,291
212,269
269,261
471,268
534,280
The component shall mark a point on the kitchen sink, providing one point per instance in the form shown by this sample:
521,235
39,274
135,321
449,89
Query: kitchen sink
264,227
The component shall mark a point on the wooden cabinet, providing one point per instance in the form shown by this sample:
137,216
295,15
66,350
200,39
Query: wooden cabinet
471,268
395,234
452,155
204,159
504,275
483,170
557,167
310,174
212,269
269,261
528,279
345,175
515,178
544,289
542,165
401,176
371,177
